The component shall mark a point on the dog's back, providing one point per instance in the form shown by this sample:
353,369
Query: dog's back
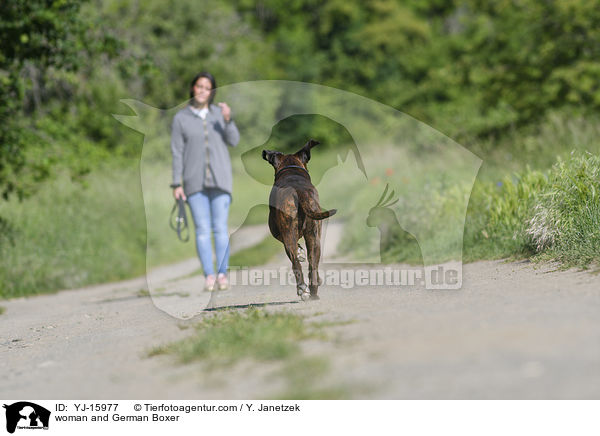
295,196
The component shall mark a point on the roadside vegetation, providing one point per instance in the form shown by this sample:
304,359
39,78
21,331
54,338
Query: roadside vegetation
546,215
229,337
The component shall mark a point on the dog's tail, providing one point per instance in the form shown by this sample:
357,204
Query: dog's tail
312,209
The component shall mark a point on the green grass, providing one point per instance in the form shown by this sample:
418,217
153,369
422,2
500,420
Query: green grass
565,223
2,310
69,235
550,215
497,217
230,336
72,234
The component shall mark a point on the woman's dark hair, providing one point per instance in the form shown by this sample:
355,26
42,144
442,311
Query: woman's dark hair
213,85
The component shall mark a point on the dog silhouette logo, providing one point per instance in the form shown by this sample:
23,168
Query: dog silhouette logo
26,415
377,146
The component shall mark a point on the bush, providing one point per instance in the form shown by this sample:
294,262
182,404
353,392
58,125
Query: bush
565,225
551,216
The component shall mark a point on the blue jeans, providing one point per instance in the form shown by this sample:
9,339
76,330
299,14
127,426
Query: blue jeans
210,210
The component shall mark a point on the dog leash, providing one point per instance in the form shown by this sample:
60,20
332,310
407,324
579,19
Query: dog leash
179,222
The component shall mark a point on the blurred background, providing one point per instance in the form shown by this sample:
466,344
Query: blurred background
516,82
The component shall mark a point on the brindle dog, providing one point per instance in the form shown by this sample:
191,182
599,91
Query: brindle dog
294,212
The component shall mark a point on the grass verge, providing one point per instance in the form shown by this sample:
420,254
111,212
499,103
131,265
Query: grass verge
552,215
231,336
71,234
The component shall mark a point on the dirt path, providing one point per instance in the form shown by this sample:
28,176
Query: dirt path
512,331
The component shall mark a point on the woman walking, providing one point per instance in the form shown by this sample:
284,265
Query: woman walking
200,134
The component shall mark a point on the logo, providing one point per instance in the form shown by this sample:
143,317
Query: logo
421,178
26,415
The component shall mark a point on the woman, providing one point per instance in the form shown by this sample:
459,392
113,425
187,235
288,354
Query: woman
200,134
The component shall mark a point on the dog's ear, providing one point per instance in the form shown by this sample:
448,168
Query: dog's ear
311,143
304,153
273,157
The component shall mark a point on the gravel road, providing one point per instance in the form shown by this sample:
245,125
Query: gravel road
514,330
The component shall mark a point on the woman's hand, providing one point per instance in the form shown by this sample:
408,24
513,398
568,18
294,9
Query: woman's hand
226,111
178,192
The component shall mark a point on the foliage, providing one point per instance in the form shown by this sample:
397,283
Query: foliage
524,58
468,67
36,37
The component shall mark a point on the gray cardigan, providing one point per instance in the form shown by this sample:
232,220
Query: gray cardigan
189,144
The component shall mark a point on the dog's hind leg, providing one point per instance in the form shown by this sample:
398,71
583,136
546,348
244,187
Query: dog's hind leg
301,253
313,246
290,242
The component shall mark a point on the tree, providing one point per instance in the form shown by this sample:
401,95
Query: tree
38,34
